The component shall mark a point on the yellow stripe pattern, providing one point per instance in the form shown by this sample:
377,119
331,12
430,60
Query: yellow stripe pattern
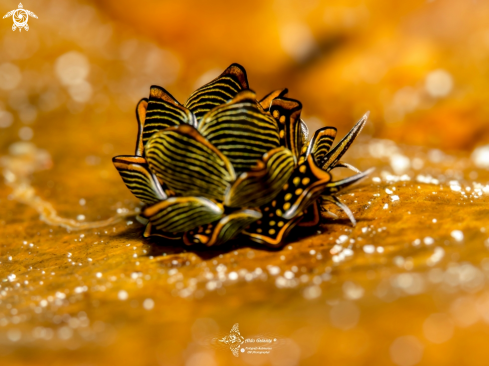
164,111
260,185
141,182
241,130
335,155
321,143
287,208
218,91
188,163
224,230
287,113
180,214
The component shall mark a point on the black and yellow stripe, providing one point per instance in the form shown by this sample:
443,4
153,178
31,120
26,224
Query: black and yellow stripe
287,113
241,130
266,101
180,214
141,182
261,184
188,164
141,118
309,182
320,185
218,91
288,208
320,143
330,160
306,183
224,230
164,111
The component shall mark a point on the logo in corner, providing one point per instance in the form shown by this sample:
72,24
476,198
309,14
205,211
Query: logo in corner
233,340
20,17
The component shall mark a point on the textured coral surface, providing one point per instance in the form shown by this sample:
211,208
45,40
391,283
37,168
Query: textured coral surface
415,266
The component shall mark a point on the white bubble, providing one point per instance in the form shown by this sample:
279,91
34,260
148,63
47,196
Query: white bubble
343,238
438,328
369,248
344,315
122,295
72,68
428,240
480,156
297,40
10,76
80,92
65,333
406,99
312,292
6,119
28,114
411,283
14,335
406,351
288,275
457,235
148,304
437,256
352,291
274,270
162,65
417,163
455,188
26,133
439,83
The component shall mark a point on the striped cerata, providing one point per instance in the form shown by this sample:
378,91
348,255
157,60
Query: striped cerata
225,164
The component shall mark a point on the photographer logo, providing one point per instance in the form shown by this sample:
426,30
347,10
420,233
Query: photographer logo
20,17
238,344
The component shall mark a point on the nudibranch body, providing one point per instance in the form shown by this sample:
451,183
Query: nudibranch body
225,164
